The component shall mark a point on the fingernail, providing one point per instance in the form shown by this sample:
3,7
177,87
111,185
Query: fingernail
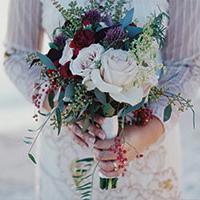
91,140
102,135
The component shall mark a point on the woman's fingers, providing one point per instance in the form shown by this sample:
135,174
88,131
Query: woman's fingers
76,130
108,166
99,120
94,130
104,144
104,155
112,173
79,141
85,137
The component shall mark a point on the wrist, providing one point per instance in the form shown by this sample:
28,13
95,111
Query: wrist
142,137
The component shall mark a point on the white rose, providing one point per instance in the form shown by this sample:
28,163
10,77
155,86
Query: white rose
85,61
116,76
67,53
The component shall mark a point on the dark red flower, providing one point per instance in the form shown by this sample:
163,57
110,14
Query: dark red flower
65,71
83,38
75,53
86,22
54,54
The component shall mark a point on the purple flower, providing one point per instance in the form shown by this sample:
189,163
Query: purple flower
93,16
107,19
60,40
115,34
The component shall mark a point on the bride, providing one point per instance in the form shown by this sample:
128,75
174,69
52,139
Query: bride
156,176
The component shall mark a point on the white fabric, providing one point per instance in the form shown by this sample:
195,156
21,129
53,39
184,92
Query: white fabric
153,177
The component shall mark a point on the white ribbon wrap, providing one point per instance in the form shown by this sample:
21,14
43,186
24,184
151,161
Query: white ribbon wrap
110,127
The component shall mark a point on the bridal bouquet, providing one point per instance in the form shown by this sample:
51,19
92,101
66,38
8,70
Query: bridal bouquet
101,63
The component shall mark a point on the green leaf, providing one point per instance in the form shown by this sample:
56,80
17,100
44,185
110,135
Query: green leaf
27,142
45,60
53,45
131,109
108,110
84,185
69,93
50,99
32,158
60,101
59,120
100,96
86,123
134,108
133,31
167,112
85,160
127,19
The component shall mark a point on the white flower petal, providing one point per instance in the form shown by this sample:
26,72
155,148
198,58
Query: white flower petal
85,61
133,96
102,85
67,53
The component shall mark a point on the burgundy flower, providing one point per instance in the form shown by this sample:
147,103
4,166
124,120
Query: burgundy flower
75,53
83,38
54,54
115,34
65,71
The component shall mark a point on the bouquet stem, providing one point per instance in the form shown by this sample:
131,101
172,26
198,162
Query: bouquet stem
111,127
108,183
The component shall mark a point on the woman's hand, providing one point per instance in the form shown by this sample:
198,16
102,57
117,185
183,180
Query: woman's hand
136,140
83,139
89,137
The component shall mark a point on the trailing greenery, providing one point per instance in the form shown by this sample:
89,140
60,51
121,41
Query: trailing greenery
83,174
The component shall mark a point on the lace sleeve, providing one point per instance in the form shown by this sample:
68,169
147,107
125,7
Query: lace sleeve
181,55
23,36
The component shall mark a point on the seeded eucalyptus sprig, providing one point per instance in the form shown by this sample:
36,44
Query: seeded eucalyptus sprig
176,100
72,14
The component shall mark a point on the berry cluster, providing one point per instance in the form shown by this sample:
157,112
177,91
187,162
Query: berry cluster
120,152
39,91
142,116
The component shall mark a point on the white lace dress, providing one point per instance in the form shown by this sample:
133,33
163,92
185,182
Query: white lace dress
155,177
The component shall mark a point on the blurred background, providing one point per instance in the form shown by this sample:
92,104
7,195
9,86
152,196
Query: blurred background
17,173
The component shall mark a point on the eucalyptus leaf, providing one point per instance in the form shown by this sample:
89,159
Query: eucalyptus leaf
108,110
83,110
85,160
133,108
69,93
50,99
100,96
53,45
60,101
127,19
27,142
45,60
32,158
86,123
133,31
167,112
59,120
